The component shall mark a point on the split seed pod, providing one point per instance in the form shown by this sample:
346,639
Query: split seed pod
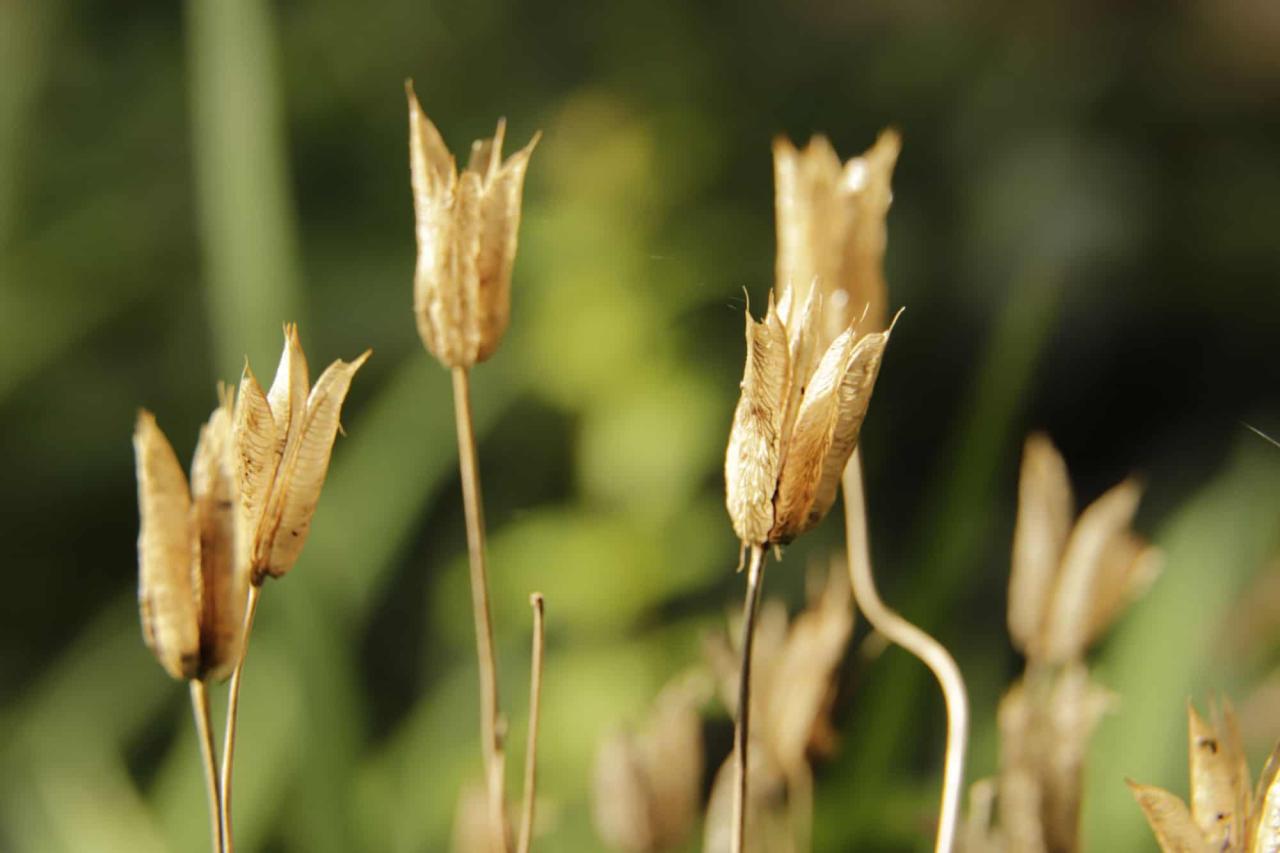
190,596
1226,813
283,440
831,226
1070,581
797,420
466,228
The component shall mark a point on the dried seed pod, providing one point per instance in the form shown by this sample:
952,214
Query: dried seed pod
1070,582
1092,587
1169,819
191,597
1220,792
166,553
794,667
283,440
647,784
1225,814
1264,816
831,227
795,426
467,225
222,588
1045,514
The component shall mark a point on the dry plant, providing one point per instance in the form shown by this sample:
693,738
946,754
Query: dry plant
831,239
794,668
467,225
1227,813
1070,580
203,554
647,783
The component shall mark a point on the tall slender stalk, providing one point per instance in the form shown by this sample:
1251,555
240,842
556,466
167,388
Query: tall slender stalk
915,641
233,708
535,702
741,731
473,505
204,728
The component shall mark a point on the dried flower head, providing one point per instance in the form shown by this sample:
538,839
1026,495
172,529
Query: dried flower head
794,670
797,420
831,227
466,227
283,440
1227,813
647,784
1070,582
191,598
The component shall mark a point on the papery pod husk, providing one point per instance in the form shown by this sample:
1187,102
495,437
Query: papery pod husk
1220,787
826,432
167,599
1045,513
466,227
768,822
287,520
647,786
1170,821
753,456
1264,816
222,588
831,227
1071,618
803,678
258,451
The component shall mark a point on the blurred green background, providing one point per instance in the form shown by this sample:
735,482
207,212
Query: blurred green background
1084,233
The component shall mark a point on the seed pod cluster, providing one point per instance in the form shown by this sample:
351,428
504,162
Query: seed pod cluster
467,225
256,477
797,420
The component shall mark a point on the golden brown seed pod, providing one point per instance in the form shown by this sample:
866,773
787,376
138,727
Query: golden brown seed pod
647,784
796,423
1071,580
831,227
167,599
283,440
222,589
467,226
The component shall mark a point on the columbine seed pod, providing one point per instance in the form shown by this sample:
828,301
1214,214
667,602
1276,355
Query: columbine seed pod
831,227
1070,580
797,421
466,228
283,440
190,596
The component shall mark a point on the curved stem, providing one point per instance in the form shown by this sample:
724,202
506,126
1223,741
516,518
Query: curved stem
531,751
204,728
473,507
915,641
742,729
233,708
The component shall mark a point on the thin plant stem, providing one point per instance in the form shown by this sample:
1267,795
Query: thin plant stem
535,702
233,708
473,506
915,641
204,728
741,730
